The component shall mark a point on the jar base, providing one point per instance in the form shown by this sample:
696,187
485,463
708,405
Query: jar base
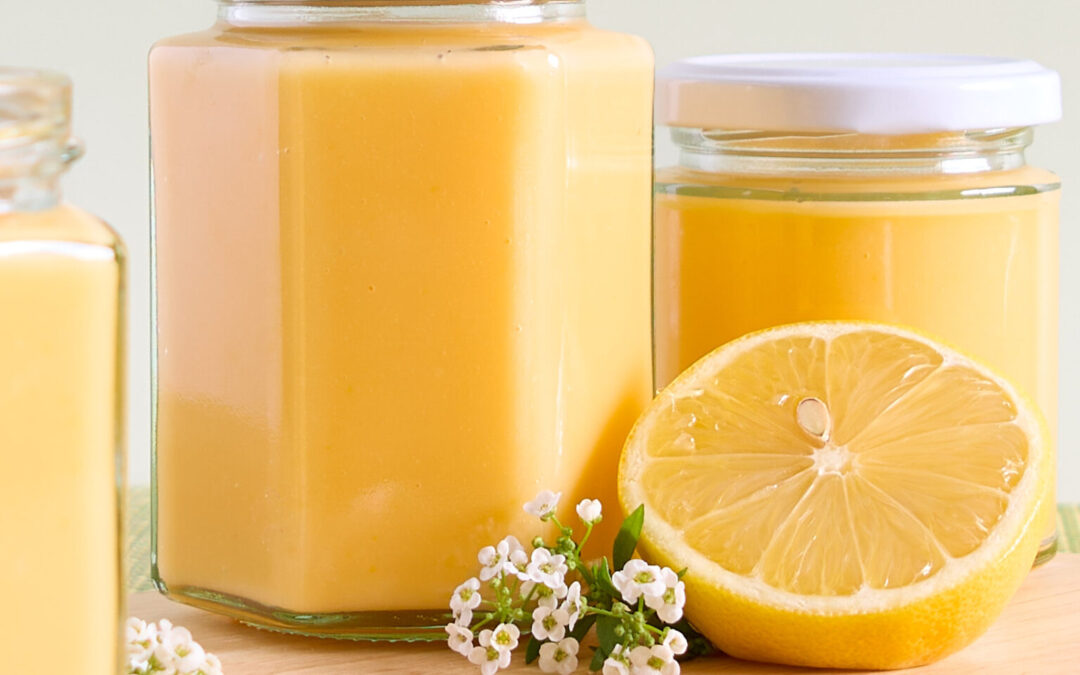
382,626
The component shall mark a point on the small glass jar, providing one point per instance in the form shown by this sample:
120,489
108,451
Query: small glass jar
859,187
61,487
402,284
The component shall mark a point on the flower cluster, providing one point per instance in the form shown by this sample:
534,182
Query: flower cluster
560,597
163,649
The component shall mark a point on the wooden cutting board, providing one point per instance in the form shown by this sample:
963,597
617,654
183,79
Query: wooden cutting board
1038,634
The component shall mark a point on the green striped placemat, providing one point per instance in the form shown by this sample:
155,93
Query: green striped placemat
139,535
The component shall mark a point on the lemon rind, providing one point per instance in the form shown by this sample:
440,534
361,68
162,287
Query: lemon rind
1024,500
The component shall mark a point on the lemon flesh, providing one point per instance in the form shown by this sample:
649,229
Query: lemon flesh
844,494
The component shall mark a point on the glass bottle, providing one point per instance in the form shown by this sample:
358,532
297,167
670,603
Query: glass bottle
61,303
402,267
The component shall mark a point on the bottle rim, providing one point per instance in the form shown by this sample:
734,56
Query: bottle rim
35,106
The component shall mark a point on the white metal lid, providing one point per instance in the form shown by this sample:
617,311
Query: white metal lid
865,93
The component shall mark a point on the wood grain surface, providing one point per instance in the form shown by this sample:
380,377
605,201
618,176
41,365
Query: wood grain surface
1038,634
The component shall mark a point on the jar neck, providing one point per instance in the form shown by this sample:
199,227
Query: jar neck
785,153
35,143
305,12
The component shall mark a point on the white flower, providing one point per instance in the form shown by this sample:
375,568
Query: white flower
574,605
488,658
544,505
675,641
491,563
465,599
638,578
504,637
589,510
549,597
496,559
187,654
617,663
212,665
141,640
164,649
517,564
545,597
669,604
549,623
548,569
655,660
164,661
559,657
495,647
460,639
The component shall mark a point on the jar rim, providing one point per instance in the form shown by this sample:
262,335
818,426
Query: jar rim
754,151
304,12
399,3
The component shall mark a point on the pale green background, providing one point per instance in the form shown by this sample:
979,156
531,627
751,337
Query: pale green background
103,44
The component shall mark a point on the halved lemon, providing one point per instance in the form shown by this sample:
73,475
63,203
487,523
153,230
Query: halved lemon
843,495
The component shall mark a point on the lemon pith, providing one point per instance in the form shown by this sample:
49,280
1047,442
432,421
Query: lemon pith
843,494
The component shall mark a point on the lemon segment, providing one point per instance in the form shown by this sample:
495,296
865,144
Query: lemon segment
844,494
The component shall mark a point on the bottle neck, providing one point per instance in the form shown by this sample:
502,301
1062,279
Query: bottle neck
775,153
35,142
305,12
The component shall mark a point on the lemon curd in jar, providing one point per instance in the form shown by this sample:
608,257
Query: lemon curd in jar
402,263
60,289
946,231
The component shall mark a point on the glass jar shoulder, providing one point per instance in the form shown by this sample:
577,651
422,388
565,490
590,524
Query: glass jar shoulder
1020,181
61,223
509,53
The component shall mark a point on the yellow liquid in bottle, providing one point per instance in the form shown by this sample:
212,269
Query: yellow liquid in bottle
59,542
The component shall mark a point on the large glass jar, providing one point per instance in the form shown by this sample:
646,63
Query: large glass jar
61,290
402,284
848,187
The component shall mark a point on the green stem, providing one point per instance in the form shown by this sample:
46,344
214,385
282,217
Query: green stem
658,631
589,609
585,538
562,528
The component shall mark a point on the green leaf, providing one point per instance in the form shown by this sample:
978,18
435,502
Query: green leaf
682,572
582,627
605,633
603,580
627,538
598,658
532,652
